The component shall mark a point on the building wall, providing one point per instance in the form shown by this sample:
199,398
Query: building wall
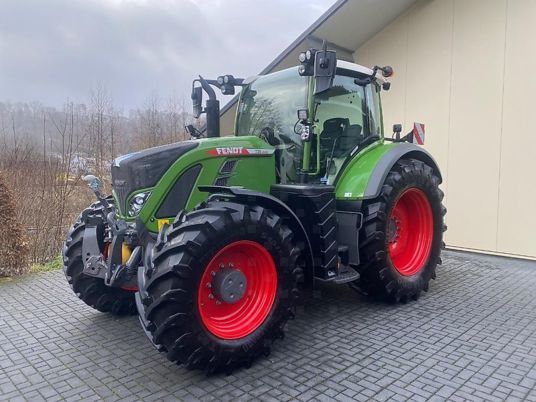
465,68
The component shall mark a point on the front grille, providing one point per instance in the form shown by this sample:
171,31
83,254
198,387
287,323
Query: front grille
121,191
144,169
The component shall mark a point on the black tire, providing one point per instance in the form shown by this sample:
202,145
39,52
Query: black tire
169,287
91,290
379,277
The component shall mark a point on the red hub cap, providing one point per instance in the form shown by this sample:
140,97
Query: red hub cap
237,290
410,232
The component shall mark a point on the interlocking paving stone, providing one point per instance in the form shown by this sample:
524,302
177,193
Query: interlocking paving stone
472,337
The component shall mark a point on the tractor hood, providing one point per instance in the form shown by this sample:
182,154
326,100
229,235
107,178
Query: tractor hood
140,170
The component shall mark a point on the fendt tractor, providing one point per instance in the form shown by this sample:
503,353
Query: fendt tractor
212,240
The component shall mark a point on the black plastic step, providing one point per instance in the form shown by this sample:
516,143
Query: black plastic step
346,274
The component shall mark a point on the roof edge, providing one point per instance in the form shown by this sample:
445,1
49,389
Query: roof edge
330,11
304,35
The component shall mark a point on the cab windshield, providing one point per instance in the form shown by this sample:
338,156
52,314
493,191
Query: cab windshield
267,109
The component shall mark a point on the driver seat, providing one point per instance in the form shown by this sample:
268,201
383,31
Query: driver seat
352,136
332,130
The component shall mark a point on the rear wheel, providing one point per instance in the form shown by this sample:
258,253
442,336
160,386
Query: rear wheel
91,290
402,234
220,287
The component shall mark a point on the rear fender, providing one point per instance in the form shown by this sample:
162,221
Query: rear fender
388,160
364,176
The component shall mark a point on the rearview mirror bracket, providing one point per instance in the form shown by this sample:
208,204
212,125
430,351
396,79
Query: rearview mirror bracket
321,64
324,69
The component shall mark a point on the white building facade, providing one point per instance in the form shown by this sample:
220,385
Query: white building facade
467,70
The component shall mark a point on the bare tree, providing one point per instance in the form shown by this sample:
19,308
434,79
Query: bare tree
44,151
148,124
176,119
101,128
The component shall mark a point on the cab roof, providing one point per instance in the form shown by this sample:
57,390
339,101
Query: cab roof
346,65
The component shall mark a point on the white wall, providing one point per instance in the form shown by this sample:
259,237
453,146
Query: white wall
467,69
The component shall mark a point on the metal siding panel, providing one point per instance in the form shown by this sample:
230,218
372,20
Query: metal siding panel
389,47
451,78
475,123
517,194
429,76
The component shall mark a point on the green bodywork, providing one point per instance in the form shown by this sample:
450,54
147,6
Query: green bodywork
258,172
253,172
354,178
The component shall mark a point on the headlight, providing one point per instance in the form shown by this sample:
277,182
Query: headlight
137,202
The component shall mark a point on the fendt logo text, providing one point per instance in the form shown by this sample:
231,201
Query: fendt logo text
227,151
233,151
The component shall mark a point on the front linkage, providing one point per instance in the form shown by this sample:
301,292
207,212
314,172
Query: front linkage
108,242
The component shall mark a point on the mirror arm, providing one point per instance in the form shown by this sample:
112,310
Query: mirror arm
207,88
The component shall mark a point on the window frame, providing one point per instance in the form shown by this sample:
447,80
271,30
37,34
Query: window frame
368,127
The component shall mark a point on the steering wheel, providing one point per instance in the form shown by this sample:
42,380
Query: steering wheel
268,135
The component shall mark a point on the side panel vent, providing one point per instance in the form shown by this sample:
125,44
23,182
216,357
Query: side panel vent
228,166
221,181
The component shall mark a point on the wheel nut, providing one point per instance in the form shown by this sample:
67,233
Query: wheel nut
209,285
218,302
213,273
211,296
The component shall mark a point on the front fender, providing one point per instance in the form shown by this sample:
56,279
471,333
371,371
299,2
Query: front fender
267,201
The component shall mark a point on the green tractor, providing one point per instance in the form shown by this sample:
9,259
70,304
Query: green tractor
211,241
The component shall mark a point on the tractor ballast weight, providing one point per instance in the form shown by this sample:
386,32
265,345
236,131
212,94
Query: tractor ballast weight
212,240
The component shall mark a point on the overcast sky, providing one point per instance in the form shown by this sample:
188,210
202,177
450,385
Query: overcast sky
54,50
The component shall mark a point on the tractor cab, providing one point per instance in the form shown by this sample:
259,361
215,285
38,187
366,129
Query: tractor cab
340,120
316,115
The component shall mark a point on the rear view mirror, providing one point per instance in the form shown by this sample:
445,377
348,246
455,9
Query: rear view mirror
197,101
324,70
194,132
93,182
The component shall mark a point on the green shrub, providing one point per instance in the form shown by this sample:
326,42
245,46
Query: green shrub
13,244
52,265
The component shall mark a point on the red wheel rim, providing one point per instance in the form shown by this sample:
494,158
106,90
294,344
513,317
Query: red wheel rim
239,319
410,232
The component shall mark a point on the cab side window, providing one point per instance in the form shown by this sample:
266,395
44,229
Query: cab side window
342,123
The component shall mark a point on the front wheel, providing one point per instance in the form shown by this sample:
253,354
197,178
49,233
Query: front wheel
91,290
402,234
220,286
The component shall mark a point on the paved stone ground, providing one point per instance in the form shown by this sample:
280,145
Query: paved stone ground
473,336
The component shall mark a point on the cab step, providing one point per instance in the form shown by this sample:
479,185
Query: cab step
346,274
